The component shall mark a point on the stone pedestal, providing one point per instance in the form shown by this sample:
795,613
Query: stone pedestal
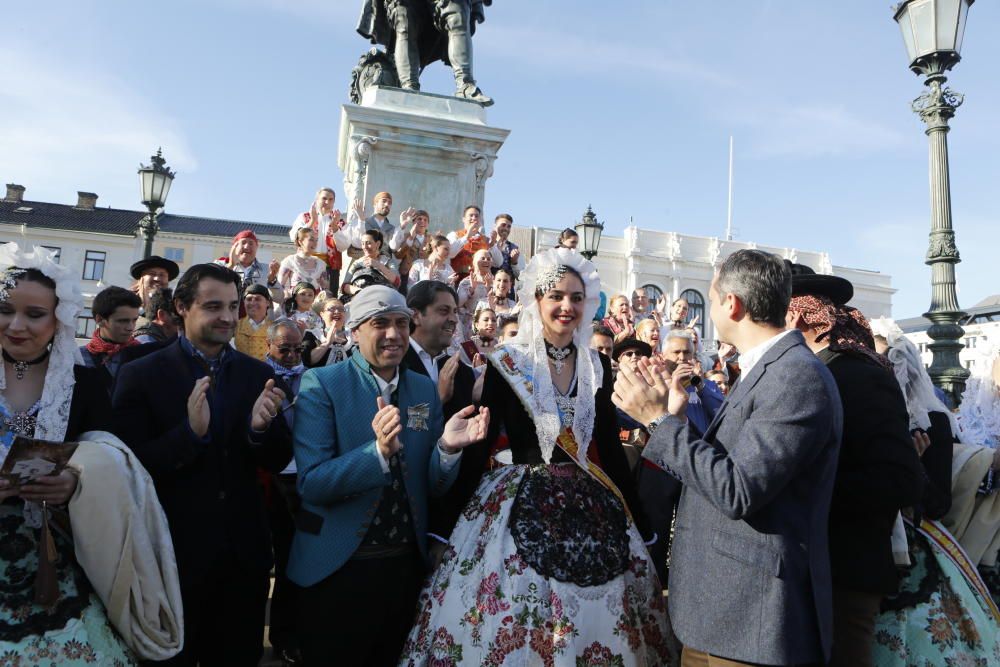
431,152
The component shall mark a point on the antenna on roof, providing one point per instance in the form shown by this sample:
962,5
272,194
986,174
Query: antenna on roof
729,213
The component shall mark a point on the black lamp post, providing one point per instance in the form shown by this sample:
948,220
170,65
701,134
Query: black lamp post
933,32
154,183
590,231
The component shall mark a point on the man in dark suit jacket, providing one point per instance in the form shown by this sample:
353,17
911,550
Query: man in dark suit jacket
878,473
200,417
435,316
750,566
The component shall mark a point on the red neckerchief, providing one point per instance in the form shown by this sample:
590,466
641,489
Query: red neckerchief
98,346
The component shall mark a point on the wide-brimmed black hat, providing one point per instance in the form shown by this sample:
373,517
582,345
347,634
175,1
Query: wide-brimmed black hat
631,344
805,281
155,261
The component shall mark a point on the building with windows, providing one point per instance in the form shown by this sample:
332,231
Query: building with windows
676,265
981,338
100,244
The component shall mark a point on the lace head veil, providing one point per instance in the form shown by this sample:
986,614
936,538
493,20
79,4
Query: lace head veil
539,275
979,414
57,393
911,375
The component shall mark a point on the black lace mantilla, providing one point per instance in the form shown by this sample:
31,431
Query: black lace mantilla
567,526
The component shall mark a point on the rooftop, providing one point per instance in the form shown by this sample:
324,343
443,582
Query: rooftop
987,310
46,215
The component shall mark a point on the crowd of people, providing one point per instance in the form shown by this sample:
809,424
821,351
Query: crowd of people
448,452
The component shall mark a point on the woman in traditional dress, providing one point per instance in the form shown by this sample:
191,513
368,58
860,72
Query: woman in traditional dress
303,266
484,324
546,565
299,309
371,268
333,347
942,614
434,263
45,393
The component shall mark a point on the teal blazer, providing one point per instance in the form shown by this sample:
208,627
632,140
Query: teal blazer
340,478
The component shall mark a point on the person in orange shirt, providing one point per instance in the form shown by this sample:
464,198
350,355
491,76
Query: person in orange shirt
465,242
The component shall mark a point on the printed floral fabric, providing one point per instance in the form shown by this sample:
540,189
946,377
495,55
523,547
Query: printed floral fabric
485,605
74,631
937,618
569,527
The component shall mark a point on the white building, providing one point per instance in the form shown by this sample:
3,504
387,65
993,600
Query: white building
101,244
678,265
981,338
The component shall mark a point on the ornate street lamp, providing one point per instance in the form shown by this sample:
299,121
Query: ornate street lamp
933,32
154,182
590,231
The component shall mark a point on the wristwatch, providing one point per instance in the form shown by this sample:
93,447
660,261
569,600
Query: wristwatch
655,424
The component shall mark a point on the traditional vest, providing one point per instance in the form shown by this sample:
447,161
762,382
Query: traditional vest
250,342
462,262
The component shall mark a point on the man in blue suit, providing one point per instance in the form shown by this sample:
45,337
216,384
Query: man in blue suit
371,447
750,567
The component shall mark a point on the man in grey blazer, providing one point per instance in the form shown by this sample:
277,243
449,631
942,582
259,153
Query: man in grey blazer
750,568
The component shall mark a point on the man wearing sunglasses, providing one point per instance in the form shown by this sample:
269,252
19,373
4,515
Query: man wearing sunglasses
284,355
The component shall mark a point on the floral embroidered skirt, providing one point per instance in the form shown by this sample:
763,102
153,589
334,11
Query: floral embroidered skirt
599,602
74,631
938,617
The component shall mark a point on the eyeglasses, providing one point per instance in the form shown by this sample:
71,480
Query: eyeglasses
288,349
630,353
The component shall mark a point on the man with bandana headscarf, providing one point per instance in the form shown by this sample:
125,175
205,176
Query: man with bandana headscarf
371,446
878,472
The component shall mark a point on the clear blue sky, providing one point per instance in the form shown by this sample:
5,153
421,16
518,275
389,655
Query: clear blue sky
627,106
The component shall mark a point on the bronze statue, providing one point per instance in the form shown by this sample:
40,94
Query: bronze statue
416,33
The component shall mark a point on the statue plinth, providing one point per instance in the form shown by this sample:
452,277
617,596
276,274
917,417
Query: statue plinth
429,151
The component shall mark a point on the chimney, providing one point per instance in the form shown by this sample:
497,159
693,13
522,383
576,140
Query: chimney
15,193
86,201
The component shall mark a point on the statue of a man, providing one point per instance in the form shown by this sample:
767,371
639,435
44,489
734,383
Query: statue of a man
418,32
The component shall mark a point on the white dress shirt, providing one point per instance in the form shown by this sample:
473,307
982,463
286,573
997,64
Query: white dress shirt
448,461
750,358
429,362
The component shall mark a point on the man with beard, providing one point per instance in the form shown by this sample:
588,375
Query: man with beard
505,253
418,32
350,236
200,416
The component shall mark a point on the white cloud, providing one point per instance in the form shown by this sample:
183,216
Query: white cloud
817,130
581,54
328,11
64,128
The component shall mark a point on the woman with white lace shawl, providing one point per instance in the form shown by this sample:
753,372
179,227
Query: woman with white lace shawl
939,587
50,611
546,564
